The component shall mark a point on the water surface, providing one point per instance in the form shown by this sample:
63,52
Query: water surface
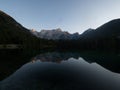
65,71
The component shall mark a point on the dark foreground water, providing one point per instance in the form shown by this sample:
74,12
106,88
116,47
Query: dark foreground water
66,71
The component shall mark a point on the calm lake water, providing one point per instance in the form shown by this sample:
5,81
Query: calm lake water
66,71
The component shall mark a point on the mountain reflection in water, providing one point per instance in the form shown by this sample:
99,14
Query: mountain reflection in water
61,71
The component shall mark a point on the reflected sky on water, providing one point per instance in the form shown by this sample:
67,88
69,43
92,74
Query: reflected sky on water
61,71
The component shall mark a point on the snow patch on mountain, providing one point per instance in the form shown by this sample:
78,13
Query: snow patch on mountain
55,34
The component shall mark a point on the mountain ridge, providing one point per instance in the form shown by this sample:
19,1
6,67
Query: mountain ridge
55,34
13,33
104,37
109,29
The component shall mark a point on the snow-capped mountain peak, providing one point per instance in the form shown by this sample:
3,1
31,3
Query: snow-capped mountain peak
55,34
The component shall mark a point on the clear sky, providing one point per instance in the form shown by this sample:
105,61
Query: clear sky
69,15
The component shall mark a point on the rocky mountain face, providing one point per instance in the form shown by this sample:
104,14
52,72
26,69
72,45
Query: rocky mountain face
108,30
55,34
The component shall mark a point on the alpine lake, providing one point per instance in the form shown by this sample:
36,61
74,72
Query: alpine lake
59,70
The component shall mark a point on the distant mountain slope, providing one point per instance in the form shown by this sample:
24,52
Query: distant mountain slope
111,28
108,30
11,32
106,36
55,34
87,34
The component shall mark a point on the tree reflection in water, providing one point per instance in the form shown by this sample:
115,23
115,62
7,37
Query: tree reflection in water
64,71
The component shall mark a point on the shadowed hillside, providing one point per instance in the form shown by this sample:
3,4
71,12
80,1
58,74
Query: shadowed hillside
13,33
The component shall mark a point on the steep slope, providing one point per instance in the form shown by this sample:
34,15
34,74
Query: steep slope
105,37
12,32
108,30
